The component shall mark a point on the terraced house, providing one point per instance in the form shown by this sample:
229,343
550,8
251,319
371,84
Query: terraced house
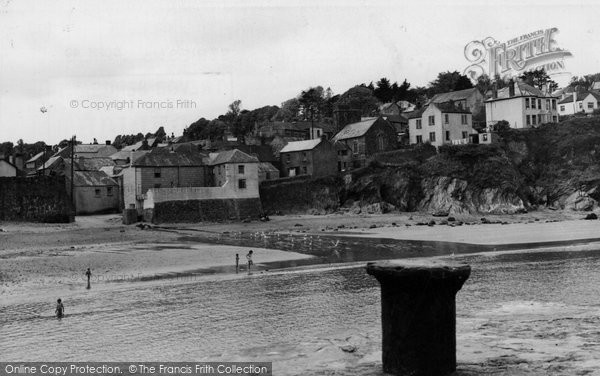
522,106
440,124
164,168
365,138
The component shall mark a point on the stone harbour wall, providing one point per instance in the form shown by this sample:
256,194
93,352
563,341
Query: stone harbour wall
191,211
35,199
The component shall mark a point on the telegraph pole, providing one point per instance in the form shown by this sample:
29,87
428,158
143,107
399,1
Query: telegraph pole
72,173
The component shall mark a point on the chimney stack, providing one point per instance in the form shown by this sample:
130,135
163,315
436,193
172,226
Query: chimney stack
511,88
107,142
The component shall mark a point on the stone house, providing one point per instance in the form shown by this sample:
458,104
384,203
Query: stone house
88,151
163,168
235,167
440,124
233,196
266,171
468,99
309,157
522,106
95,192
367,137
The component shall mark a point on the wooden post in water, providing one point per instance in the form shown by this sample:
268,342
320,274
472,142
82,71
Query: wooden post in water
418,314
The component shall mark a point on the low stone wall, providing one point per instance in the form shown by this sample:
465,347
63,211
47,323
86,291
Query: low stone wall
190,211
35,199
301,195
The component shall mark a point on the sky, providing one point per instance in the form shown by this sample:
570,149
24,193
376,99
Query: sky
96,69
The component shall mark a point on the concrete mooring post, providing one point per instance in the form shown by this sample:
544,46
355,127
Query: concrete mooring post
418,314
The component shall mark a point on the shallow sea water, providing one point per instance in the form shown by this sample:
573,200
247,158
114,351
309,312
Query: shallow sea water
533,306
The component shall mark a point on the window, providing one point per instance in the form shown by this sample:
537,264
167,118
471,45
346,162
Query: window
539,119
241,169
463,118
532,102
419,126
97,192
355,147
288,158
447,135
580,105
431,120
533,119
465,134
432,136
304,156
485,137
540,104
547,104
446,118
419,139
526,102
268,176
562,108
528,117
380,142
555,119
304,170
554,104
318,133
590,104
109,191
157,172
242,184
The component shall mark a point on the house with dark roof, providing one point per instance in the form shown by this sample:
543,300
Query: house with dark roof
88,151
309,157
521,105
367,137
440,124
468,99
95,192
34,162
164,168
236,168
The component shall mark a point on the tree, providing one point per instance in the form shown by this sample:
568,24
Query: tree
359,97
384,91
289,111
311,103
539,78
160,134
584,82
449,81
400,92
195,130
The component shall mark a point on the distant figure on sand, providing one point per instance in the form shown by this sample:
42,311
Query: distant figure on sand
249,258
60,309
88,273
237,262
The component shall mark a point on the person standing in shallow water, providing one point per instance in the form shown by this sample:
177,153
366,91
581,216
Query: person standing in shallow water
249,258
60,309
237,262
88,273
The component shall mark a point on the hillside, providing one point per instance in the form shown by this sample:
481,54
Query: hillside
556,165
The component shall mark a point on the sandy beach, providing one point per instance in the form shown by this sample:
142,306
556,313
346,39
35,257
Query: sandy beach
38,259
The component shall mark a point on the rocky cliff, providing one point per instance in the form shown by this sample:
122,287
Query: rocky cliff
556,165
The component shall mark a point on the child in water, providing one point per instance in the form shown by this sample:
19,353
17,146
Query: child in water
249,258
60,309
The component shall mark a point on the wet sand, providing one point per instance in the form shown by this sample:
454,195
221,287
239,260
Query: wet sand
36,258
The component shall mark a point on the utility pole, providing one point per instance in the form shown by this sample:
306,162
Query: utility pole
72,173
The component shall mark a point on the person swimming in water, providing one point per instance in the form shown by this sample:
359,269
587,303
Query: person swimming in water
60,309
